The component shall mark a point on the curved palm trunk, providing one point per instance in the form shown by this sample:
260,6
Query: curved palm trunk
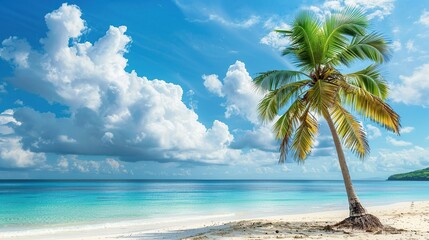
355,206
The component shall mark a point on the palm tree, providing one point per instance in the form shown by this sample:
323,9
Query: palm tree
318,88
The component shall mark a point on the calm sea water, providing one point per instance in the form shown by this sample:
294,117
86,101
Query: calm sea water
35,204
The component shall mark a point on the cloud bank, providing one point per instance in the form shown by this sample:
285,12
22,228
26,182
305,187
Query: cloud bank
112,112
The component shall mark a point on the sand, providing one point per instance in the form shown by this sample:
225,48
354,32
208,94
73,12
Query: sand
410,220
407,221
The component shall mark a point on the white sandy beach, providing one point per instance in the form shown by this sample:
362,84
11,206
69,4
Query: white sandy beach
411,219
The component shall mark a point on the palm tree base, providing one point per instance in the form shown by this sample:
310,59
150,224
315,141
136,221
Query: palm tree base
367,222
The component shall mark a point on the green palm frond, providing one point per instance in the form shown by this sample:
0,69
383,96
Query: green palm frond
339,27
269,106
272,80
370,80
350,131
322,96
305,136
304,46
373,47
292,91
370,106
286,125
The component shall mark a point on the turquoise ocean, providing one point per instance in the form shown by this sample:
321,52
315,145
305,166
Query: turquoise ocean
34,204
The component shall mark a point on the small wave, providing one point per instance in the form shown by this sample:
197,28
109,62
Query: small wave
108,225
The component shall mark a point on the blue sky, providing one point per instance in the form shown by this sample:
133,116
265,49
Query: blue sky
162,89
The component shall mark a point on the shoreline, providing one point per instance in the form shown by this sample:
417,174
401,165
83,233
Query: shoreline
234,225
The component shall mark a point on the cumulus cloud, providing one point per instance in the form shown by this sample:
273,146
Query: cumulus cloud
274,39
241,99
213,84
260,137
375,9
12,153
424,18
238,90
373,131
413,88
112,111
397,143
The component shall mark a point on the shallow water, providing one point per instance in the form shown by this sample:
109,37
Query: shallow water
38,204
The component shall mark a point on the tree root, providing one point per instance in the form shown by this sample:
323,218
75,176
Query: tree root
365,222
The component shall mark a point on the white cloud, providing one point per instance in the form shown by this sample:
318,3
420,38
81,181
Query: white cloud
113,163
333,4
242,100
389,161
406,129
397,143
411,158
112,111
6,117
72,163
16,51
107,137
66,139
375,9
274,39
424,18
379,9
412,89
239,92
213,84
12,153
63,164
219,135
396,45
260,137
63,24
373,131
410,46
252,20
